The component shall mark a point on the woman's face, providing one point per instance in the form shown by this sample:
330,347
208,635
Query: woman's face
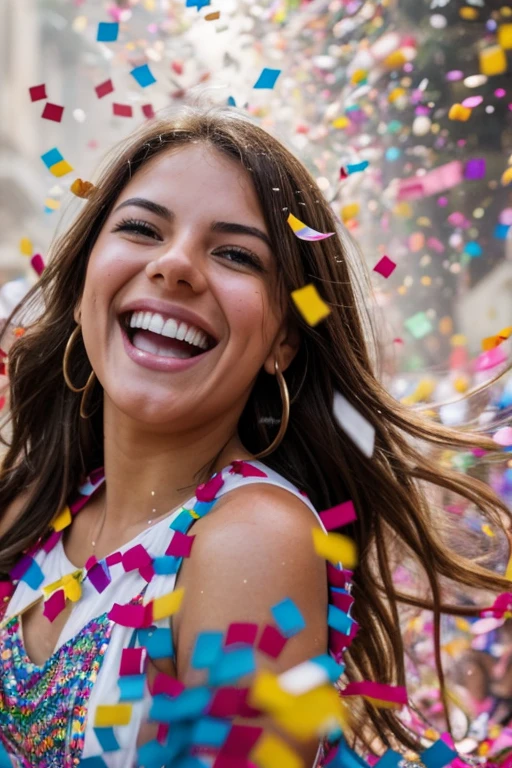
180,311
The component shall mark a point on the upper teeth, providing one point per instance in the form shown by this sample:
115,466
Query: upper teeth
173,329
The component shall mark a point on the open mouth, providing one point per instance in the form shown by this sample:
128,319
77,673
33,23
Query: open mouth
165,337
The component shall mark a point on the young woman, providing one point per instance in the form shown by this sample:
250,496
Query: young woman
168,360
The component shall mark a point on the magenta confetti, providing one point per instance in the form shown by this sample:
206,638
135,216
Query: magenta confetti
208,491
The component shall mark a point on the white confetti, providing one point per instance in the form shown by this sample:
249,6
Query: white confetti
354,425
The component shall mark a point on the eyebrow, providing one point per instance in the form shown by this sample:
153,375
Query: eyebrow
218,226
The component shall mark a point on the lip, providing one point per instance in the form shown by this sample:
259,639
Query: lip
171,311
157,362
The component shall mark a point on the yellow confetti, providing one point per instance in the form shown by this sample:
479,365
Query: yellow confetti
505,36
309,303
468,14
108,715
71,585
26,247
270,751
396,93
358,76
52,204
61,168
266,693
395,60
335,547
493,61
340,122
350,211
462,625
167,604
62,520
507,177
486,528
403,209
458,112
458,340
431,734
461,384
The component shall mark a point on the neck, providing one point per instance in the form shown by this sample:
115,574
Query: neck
149,473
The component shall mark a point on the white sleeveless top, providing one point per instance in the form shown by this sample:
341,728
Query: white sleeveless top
55,715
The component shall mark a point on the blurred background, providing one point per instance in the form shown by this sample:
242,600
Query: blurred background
402,110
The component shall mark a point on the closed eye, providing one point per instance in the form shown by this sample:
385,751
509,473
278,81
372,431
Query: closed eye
137,227
241,256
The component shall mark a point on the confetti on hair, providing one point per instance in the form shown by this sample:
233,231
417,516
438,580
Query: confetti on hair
359,429
303,232
83,189
379,694
310,304
338,516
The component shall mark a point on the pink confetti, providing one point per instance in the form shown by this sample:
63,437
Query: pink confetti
490,359
241,632
133,661
246,470
37,92
133,616
37,263
503,436
226,702
272,641
241,740
135,558
341,514
208,491
122,110
385,267
52,112
167,684
341,600
148,111
104,88
393,694
98,576
180,545
54,605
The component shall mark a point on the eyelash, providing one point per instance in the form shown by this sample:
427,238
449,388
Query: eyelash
139,227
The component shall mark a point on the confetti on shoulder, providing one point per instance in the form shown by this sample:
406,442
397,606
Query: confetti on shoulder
303,232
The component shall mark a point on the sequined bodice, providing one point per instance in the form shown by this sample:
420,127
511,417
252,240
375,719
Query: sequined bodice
47,704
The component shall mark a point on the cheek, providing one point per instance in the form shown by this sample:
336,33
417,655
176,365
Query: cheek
250,313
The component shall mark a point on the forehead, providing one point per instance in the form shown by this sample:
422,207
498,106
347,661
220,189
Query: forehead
196,178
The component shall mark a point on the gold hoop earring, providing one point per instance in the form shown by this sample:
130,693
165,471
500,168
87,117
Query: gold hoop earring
86,389
285,418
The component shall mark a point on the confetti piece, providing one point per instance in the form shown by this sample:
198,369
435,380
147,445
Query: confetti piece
486,528
212,16
148,111
493,61
143,75
107,31
267,78
192,702
272,641
338,516
52,157
385,266
180,545
357,167
503,437
108,715
359,429
62,520
158,642
241,632
460,113
168,604
37,92
271,751
335,547
104,88
107,739
475,169
210,732
288,617
419,325
303,232
122,110
135,558
82,189
26,247
339,620
208,491
61,169
199,4
207,648
309,303
52,112
504,36
379,693
231,665
131,687
54,605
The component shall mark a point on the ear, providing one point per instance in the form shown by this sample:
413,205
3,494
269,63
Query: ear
284,349
77,312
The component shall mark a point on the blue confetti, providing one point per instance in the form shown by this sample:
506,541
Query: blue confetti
107,739
143,75
473,249
192,702
211,732
131,687
231,102
207,648
88,762
268,78
501,231
166,564
339,620
158,642
334,670
232,665
288,617
356,167
107,31
197,4
52,157
34,576
438,755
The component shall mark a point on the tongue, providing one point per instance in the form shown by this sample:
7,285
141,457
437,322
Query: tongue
147,341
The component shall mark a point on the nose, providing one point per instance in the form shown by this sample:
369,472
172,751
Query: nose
181,265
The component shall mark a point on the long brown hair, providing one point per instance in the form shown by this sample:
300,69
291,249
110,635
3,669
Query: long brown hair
51,448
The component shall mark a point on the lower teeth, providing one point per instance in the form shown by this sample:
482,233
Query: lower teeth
146,345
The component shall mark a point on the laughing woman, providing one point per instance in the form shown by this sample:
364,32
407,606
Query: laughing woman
135,511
